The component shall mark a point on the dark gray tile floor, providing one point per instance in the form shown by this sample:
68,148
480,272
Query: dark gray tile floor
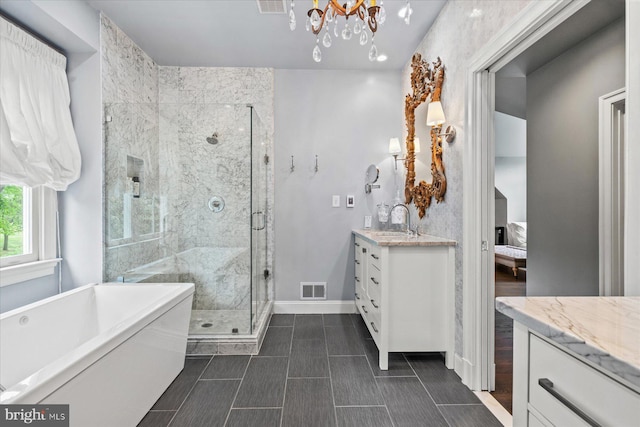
318,370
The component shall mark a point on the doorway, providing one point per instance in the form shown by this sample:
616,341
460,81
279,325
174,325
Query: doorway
479,276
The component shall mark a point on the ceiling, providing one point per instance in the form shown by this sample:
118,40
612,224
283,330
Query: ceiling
511,79
233,33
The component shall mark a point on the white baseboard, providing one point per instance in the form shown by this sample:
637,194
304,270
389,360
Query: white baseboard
464,369
314,307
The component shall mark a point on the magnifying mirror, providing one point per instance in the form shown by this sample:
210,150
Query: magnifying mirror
370,178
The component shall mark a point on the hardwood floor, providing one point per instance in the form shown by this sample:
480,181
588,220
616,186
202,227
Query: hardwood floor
506,286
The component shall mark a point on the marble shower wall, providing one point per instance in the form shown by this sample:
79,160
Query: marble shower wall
130,139
461,29
156,121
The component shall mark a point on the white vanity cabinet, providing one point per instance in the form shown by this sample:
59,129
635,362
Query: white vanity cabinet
557,388
404,291
575,360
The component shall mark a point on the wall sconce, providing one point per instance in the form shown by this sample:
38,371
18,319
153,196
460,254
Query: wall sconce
435,117
395,150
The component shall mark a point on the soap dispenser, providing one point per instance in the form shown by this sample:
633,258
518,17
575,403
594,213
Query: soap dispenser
135,187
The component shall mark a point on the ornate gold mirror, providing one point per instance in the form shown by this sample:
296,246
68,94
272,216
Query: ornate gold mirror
426,81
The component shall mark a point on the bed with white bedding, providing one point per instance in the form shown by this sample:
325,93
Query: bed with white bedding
513,255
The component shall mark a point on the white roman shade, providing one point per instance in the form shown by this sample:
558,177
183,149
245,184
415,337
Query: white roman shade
38,145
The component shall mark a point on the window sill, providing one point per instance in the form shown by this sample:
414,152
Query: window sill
28,271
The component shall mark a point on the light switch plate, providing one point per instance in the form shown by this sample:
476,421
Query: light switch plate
335,201
367,221
351,201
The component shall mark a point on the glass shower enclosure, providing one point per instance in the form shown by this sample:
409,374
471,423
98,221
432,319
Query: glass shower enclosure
188,202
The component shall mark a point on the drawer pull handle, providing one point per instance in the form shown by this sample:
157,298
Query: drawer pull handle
375,281
373,325
374,256
364,309
364,250
547,385
373,303
357,296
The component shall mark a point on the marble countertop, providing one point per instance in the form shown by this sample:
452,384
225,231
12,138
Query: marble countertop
603,330
397,238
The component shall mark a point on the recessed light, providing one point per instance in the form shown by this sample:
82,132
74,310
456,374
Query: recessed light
382,57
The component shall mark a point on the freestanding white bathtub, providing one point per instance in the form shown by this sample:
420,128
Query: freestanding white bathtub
108,350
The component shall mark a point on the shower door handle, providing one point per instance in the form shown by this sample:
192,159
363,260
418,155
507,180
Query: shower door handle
263,221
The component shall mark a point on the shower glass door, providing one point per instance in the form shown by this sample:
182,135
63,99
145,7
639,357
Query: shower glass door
259,269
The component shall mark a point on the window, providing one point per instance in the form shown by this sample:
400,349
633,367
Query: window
16,225
27,233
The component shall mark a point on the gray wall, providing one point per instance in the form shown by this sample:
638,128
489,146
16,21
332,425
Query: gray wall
511,180
346,118
73,26
511,164
81,205
562,156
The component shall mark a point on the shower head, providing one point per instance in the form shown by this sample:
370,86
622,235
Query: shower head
213,139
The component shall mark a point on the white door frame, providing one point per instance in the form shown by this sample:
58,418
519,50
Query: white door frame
632,151
531,24
611,192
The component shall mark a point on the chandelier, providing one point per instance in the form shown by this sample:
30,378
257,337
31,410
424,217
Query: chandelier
366,14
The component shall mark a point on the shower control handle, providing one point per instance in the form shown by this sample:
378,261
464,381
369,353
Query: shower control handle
263,220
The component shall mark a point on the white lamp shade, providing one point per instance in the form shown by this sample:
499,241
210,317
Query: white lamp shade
394,146
416,145
435,114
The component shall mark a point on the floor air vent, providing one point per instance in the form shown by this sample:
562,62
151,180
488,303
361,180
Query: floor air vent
313,290
272,6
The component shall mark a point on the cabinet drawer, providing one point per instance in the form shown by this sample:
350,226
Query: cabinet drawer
360,294
364,308
374,255
374,303
373,283
374,323
359,253
598,396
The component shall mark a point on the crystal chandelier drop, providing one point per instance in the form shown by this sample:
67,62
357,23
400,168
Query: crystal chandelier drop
367,15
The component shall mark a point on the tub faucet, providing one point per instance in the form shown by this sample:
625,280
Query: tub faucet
401,205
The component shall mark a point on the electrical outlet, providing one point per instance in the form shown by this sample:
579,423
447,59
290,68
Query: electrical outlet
367,221
335,202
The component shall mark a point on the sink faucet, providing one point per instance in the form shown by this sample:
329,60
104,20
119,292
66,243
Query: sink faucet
401,205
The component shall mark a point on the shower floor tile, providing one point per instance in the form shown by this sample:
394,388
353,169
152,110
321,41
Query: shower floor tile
212,322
